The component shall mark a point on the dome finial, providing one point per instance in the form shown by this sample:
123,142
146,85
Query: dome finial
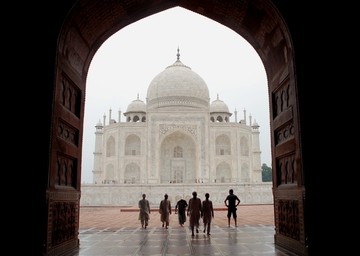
178,53
217,96
138,96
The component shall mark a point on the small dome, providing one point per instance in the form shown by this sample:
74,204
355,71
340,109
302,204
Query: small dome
136,106
255,124
99,124
218,106
177,86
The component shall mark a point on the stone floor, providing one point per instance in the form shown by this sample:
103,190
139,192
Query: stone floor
117,231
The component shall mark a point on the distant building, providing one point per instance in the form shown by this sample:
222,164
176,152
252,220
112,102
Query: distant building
177,136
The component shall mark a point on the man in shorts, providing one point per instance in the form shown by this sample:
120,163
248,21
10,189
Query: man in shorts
231,202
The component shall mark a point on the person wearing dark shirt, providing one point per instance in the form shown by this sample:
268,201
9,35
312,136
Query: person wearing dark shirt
207,213
231,202
194,211
180,210
165,211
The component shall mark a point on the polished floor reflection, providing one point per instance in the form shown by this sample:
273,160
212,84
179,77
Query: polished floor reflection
105,232
243,240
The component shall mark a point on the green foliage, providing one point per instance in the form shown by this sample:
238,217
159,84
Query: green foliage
266,172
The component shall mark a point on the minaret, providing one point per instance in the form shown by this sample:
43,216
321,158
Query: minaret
235,115
119,113
256,161
110,116
245,117
97,173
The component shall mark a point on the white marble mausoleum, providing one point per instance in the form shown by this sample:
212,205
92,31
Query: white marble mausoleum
175,142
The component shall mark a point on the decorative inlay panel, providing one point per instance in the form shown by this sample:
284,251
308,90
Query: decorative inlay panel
286,170
75,50
284,134
166,128
68,133
281,100
63,195
66,171
289,224
70,96
64,217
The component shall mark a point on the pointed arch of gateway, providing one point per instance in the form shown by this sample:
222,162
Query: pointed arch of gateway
178,158
89,23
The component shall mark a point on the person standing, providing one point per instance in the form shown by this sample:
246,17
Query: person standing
231,202
194,211
165,211
144,214
207,213
180,209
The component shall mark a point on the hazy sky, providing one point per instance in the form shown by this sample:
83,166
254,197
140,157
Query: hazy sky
126,63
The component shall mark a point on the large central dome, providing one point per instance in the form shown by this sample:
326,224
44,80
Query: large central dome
178,86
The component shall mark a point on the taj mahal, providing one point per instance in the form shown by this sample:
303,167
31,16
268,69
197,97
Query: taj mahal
176,142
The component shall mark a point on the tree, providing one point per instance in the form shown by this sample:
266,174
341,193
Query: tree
266,172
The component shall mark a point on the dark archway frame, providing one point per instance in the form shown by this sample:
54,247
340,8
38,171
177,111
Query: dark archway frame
90,23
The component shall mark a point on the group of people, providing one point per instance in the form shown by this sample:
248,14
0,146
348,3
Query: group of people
195,209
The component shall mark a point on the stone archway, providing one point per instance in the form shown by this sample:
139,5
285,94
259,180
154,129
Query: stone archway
90,23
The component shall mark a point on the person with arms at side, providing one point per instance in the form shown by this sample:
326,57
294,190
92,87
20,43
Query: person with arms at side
231,202
180,209
165,211
207,213
194,211
144,214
